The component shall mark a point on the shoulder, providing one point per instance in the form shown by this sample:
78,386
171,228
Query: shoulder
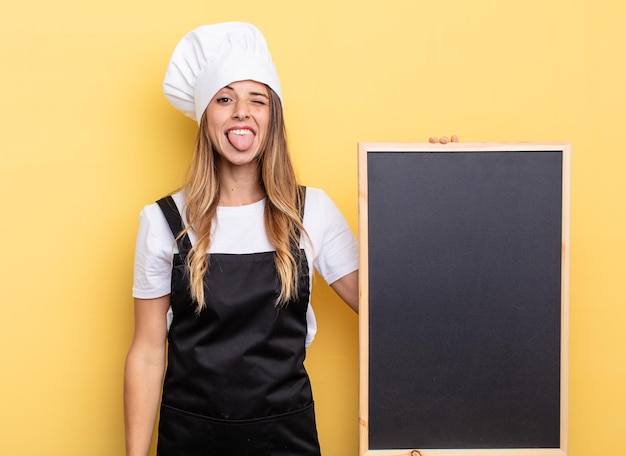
317,199
321,216
315,193
152,212
152,223
318,203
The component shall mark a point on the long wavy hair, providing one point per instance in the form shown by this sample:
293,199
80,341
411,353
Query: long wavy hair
282,218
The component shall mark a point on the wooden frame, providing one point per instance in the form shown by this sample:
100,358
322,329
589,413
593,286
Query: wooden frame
364,314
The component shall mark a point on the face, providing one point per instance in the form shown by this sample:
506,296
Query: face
237,119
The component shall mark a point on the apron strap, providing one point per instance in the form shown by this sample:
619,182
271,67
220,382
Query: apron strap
300,200
175,221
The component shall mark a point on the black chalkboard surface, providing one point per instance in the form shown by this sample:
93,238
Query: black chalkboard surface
463,320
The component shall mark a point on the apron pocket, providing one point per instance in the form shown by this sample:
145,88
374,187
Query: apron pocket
187,434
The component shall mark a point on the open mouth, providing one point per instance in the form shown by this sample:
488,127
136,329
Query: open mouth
241,138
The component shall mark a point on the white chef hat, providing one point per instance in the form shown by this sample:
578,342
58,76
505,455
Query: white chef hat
211,57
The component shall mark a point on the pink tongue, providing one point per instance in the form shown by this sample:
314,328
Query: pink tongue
241,142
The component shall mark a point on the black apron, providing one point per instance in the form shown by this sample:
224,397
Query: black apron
235,383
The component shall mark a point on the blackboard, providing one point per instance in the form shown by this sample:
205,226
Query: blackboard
464,252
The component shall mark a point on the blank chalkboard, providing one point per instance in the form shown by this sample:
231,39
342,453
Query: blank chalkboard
464,298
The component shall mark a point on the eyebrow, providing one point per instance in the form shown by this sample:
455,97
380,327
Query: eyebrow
250,93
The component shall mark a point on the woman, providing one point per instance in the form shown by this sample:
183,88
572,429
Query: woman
223,268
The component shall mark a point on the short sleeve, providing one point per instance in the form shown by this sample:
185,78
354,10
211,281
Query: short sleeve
335,247
154,251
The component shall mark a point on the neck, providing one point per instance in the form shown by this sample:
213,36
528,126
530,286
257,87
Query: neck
240,188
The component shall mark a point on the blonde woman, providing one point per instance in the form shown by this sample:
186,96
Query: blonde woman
223,269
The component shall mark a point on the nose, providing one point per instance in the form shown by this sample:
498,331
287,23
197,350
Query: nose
241,110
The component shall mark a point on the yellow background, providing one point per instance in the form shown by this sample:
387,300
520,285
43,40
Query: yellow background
87,139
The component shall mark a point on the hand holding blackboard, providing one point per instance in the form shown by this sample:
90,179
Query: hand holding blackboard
443,139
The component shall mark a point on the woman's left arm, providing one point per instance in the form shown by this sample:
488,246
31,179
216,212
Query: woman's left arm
348,289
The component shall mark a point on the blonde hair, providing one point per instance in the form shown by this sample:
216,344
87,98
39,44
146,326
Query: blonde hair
282,218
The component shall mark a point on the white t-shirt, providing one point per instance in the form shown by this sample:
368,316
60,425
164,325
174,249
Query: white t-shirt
332,249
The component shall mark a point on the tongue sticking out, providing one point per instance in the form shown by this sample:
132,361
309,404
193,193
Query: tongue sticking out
241,139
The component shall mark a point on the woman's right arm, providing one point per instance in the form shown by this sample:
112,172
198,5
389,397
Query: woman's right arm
143,374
